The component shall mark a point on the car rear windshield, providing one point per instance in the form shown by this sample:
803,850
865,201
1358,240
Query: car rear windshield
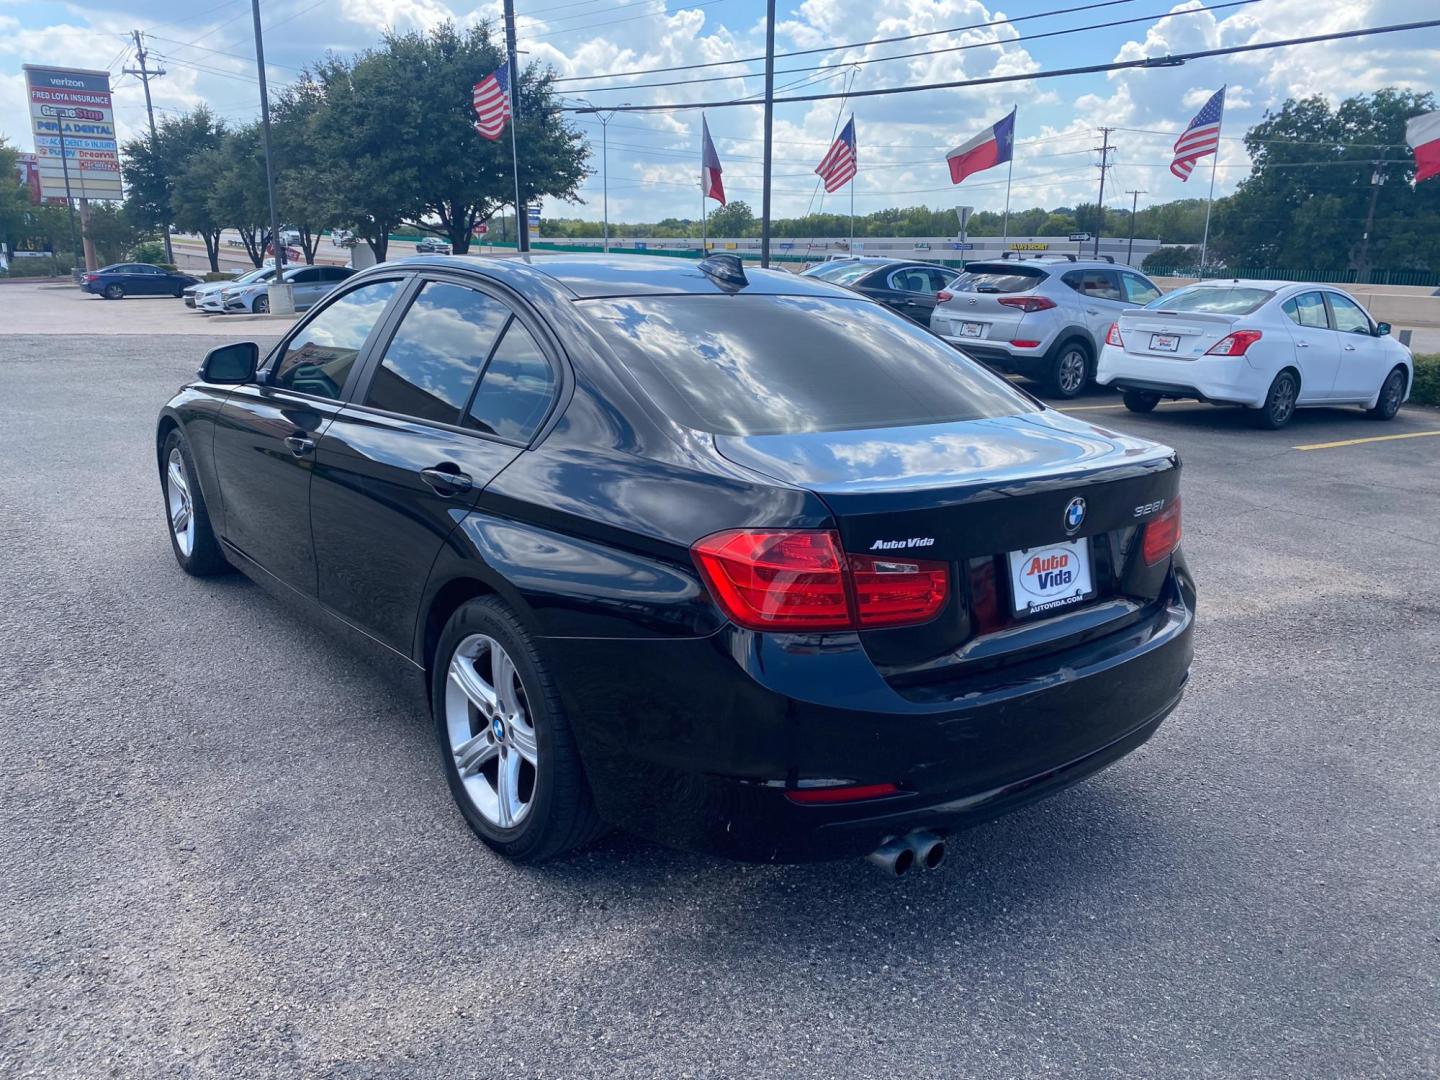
1214,299
769,365
998,279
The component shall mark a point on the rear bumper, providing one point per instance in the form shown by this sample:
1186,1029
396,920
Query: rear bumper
698,745
1224,380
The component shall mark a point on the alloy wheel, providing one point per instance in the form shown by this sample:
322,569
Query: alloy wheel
1391,393
491,731
177,499
262,305
1282,402
1071,375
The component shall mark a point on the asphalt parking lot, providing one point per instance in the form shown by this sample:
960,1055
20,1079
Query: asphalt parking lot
226,846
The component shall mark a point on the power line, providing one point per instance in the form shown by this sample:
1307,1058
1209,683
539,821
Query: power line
997,43
851,45
613,22
1271,142
1169,60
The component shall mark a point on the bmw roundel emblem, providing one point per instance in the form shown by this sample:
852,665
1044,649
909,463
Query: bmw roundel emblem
1074,514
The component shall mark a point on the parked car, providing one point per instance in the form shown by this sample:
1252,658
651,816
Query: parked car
1041,317
733,558
310,284
195,295
901,285
136,279
432,245
1271,346
342,238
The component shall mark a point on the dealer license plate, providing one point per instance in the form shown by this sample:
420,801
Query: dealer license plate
1164,342
1050,577
972,329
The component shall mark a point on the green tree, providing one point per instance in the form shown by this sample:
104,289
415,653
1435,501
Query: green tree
735,218
1310,190
238,196
114,233
307,185
165,181
14,197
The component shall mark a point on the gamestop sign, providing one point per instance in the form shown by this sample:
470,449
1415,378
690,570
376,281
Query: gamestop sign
71,115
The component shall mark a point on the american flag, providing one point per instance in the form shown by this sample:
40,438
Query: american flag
1200,138
838,166
492,103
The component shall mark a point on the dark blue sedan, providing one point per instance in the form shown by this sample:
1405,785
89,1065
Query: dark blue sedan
136,279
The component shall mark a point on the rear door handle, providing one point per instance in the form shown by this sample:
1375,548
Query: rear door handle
1349,348
299,445
1091,311
1302,344
446,481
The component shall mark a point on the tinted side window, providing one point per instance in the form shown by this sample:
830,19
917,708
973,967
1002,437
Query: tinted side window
306,277
516,389
1308,310
431,363
1138,290
1099,283
1349,319
911,279
318,359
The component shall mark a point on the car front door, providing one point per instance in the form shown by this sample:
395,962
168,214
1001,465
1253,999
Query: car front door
306,287
1363,361
1317,353
1139,290
267,432
403,463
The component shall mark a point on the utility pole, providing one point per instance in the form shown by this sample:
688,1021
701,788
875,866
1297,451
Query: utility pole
769,130
145,74
1104,150
1134,203
522,215
278,290
1377,178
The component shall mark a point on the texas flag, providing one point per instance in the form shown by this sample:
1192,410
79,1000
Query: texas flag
993,146
710,170
1423,135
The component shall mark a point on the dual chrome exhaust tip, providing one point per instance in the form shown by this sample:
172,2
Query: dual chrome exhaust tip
919,850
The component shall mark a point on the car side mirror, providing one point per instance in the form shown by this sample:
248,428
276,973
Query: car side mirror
231,364
1382,329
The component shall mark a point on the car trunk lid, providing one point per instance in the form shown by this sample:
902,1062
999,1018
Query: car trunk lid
1173,335
971,493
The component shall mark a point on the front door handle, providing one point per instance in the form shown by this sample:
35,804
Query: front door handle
299,445
447,481
1302,344
1349,348
1091,311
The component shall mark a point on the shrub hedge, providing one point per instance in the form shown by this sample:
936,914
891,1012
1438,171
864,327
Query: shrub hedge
1426,390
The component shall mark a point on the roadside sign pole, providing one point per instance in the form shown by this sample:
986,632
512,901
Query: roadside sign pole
75,252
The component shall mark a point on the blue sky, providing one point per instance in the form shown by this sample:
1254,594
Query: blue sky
207,47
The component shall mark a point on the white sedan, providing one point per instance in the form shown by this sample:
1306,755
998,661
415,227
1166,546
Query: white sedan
1270,346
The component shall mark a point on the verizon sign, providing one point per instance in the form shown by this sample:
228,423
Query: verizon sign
71,109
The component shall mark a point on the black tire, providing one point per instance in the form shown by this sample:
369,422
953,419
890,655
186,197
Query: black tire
562,813
1139,401
179,292
1069,372
261,305
206,558
1279,404
114,292
1392,390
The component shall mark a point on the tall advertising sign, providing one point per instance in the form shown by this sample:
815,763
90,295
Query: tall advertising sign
72,108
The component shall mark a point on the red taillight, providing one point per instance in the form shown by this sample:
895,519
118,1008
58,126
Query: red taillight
1112,336
1025,344
1028,303
91,277
943,295
896,591
796,579
851,793
1162,534
1234,343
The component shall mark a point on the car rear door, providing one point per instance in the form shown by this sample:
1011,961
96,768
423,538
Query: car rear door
1362,363
426,431
307,287
1101,299
267,432
1316,350
910,291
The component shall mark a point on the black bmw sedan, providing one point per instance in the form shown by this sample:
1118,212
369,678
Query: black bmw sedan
734,559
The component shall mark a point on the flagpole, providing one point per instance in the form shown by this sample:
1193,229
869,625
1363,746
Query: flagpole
702,186
856,151
1009,175
1210,200
515,163
1205,240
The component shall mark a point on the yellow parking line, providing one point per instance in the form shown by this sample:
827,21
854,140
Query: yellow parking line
1358,442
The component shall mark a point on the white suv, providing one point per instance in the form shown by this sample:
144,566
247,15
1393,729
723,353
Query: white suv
1045,318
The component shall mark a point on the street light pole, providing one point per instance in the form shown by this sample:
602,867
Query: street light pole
604,116
277,290
1134,203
